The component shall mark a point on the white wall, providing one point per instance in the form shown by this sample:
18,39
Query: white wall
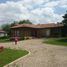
3,34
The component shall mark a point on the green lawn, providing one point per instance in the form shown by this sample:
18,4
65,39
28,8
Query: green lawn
56,41
4,39
9,55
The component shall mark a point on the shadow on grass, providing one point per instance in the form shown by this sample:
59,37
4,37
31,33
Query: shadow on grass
62,40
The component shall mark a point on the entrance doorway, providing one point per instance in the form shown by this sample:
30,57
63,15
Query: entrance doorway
34,33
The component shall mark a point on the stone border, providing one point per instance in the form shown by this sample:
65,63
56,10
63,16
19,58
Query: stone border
15,61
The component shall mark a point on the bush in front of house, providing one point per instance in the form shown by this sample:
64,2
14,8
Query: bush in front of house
4,37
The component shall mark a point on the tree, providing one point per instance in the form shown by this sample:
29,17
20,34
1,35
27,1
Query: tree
25,22
65,19
14,23
6,27
64,22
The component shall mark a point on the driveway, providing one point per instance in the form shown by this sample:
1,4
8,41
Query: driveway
42,55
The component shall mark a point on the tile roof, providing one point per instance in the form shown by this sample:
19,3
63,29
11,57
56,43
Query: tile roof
1,31
52,25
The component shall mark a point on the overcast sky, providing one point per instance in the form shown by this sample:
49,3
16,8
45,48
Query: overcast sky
38,11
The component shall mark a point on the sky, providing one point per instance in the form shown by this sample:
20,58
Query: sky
37,11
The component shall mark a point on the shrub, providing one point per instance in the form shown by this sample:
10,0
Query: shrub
1,48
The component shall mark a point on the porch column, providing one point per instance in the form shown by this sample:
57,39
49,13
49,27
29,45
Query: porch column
47,32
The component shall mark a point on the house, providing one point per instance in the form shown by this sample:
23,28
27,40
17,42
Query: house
2,33
39,30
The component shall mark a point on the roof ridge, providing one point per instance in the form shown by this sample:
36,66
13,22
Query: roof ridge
38,25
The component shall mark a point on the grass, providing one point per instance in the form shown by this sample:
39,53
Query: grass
4,39
9,55
8,39
56,41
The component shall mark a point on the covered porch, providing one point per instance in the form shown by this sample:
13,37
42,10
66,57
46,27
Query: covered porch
30,32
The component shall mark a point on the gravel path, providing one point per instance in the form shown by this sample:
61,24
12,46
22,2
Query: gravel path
42,55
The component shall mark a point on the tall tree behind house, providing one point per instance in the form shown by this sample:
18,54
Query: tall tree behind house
25,22
65,24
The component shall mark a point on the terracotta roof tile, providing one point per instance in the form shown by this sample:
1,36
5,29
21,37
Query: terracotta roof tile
2,31
52,25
